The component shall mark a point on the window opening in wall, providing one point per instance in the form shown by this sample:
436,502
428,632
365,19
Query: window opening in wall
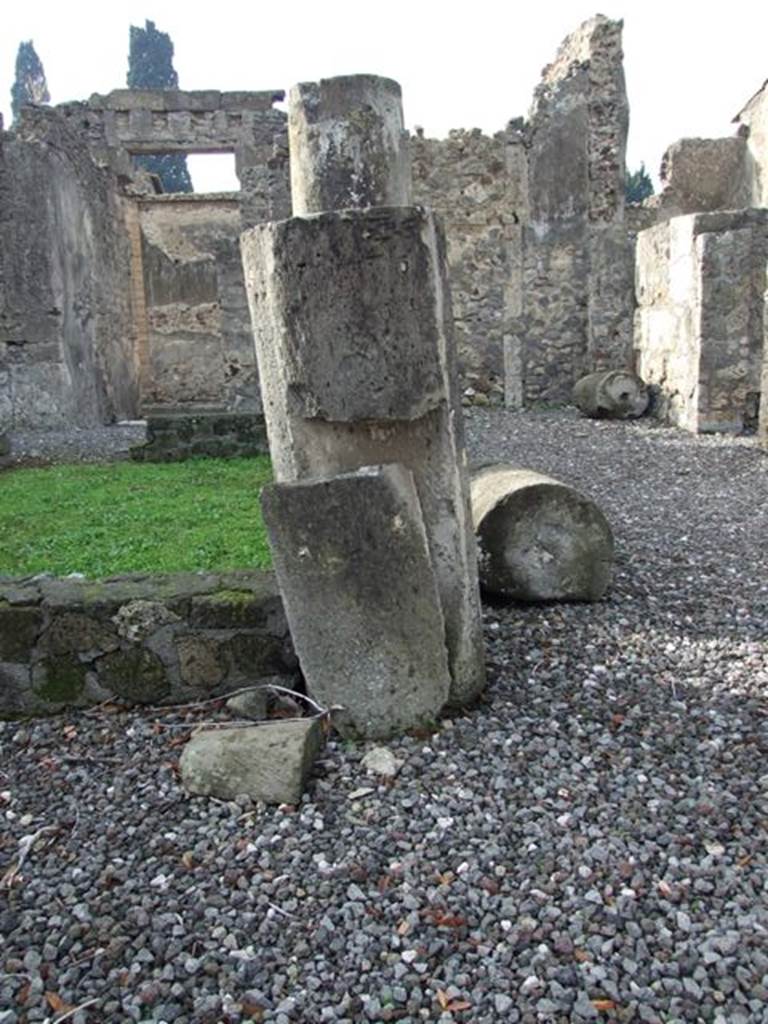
195,172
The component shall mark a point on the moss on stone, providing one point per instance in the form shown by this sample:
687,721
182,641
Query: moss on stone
19,629
63,681
135,674
230,609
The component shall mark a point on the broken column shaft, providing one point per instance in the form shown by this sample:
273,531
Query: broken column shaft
352,320
349,149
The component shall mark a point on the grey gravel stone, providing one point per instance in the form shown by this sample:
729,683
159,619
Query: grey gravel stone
638,720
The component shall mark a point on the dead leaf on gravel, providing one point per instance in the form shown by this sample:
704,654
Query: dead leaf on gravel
56,1003
604,1005
448,1005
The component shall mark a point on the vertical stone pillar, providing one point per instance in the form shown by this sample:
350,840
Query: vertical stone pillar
353,328
349,148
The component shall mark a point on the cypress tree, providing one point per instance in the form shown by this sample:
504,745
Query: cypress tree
150,66
638,185
30,85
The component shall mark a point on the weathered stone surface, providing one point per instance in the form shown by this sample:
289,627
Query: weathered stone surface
19,630
611,394
139,619
477,185
361,597
389,410
541,263
353,296
268,762
77,631
539,539
255,654
251,704
200,662
16,696
171,120
700,323
135,674
704,174
754,119
348,144
255,604
66,340
60,680
381,761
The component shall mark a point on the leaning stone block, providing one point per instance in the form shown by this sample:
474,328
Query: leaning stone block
539,539
611,394
361,597
266,762
348,144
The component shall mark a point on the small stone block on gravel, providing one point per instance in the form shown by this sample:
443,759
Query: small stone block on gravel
381,761
267,762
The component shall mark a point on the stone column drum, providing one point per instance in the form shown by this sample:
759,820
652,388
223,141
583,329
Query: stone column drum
353,329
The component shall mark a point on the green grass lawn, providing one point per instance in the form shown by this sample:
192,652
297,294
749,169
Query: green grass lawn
133,517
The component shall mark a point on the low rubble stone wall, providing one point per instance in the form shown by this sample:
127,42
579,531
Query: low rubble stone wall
176,436
140,639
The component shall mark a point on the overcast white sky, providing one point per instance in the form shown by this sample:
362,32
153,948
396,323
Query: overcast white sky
689,68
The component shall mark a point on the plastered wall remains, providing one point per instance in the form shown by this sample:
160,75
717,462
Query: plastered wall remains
67,354
199,341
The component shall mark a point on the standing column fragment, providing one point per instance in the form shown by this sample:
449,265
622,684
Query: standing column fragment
354,337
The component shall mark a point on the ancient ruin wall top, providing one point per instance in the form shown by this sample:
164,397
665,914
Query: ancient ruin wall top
170,120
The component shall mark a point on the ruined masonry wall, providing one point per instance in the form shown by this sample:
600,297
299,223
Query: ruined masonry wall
464,179
541,260
199,341
67,353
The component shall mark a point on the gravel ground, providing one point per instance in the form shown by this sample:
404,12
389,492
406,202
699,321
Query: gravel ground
589,843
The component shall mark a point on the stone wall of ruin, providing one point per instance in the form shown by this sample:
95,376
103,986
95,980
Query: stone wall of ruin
199,341
464,178
700,323
66,347
540,257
